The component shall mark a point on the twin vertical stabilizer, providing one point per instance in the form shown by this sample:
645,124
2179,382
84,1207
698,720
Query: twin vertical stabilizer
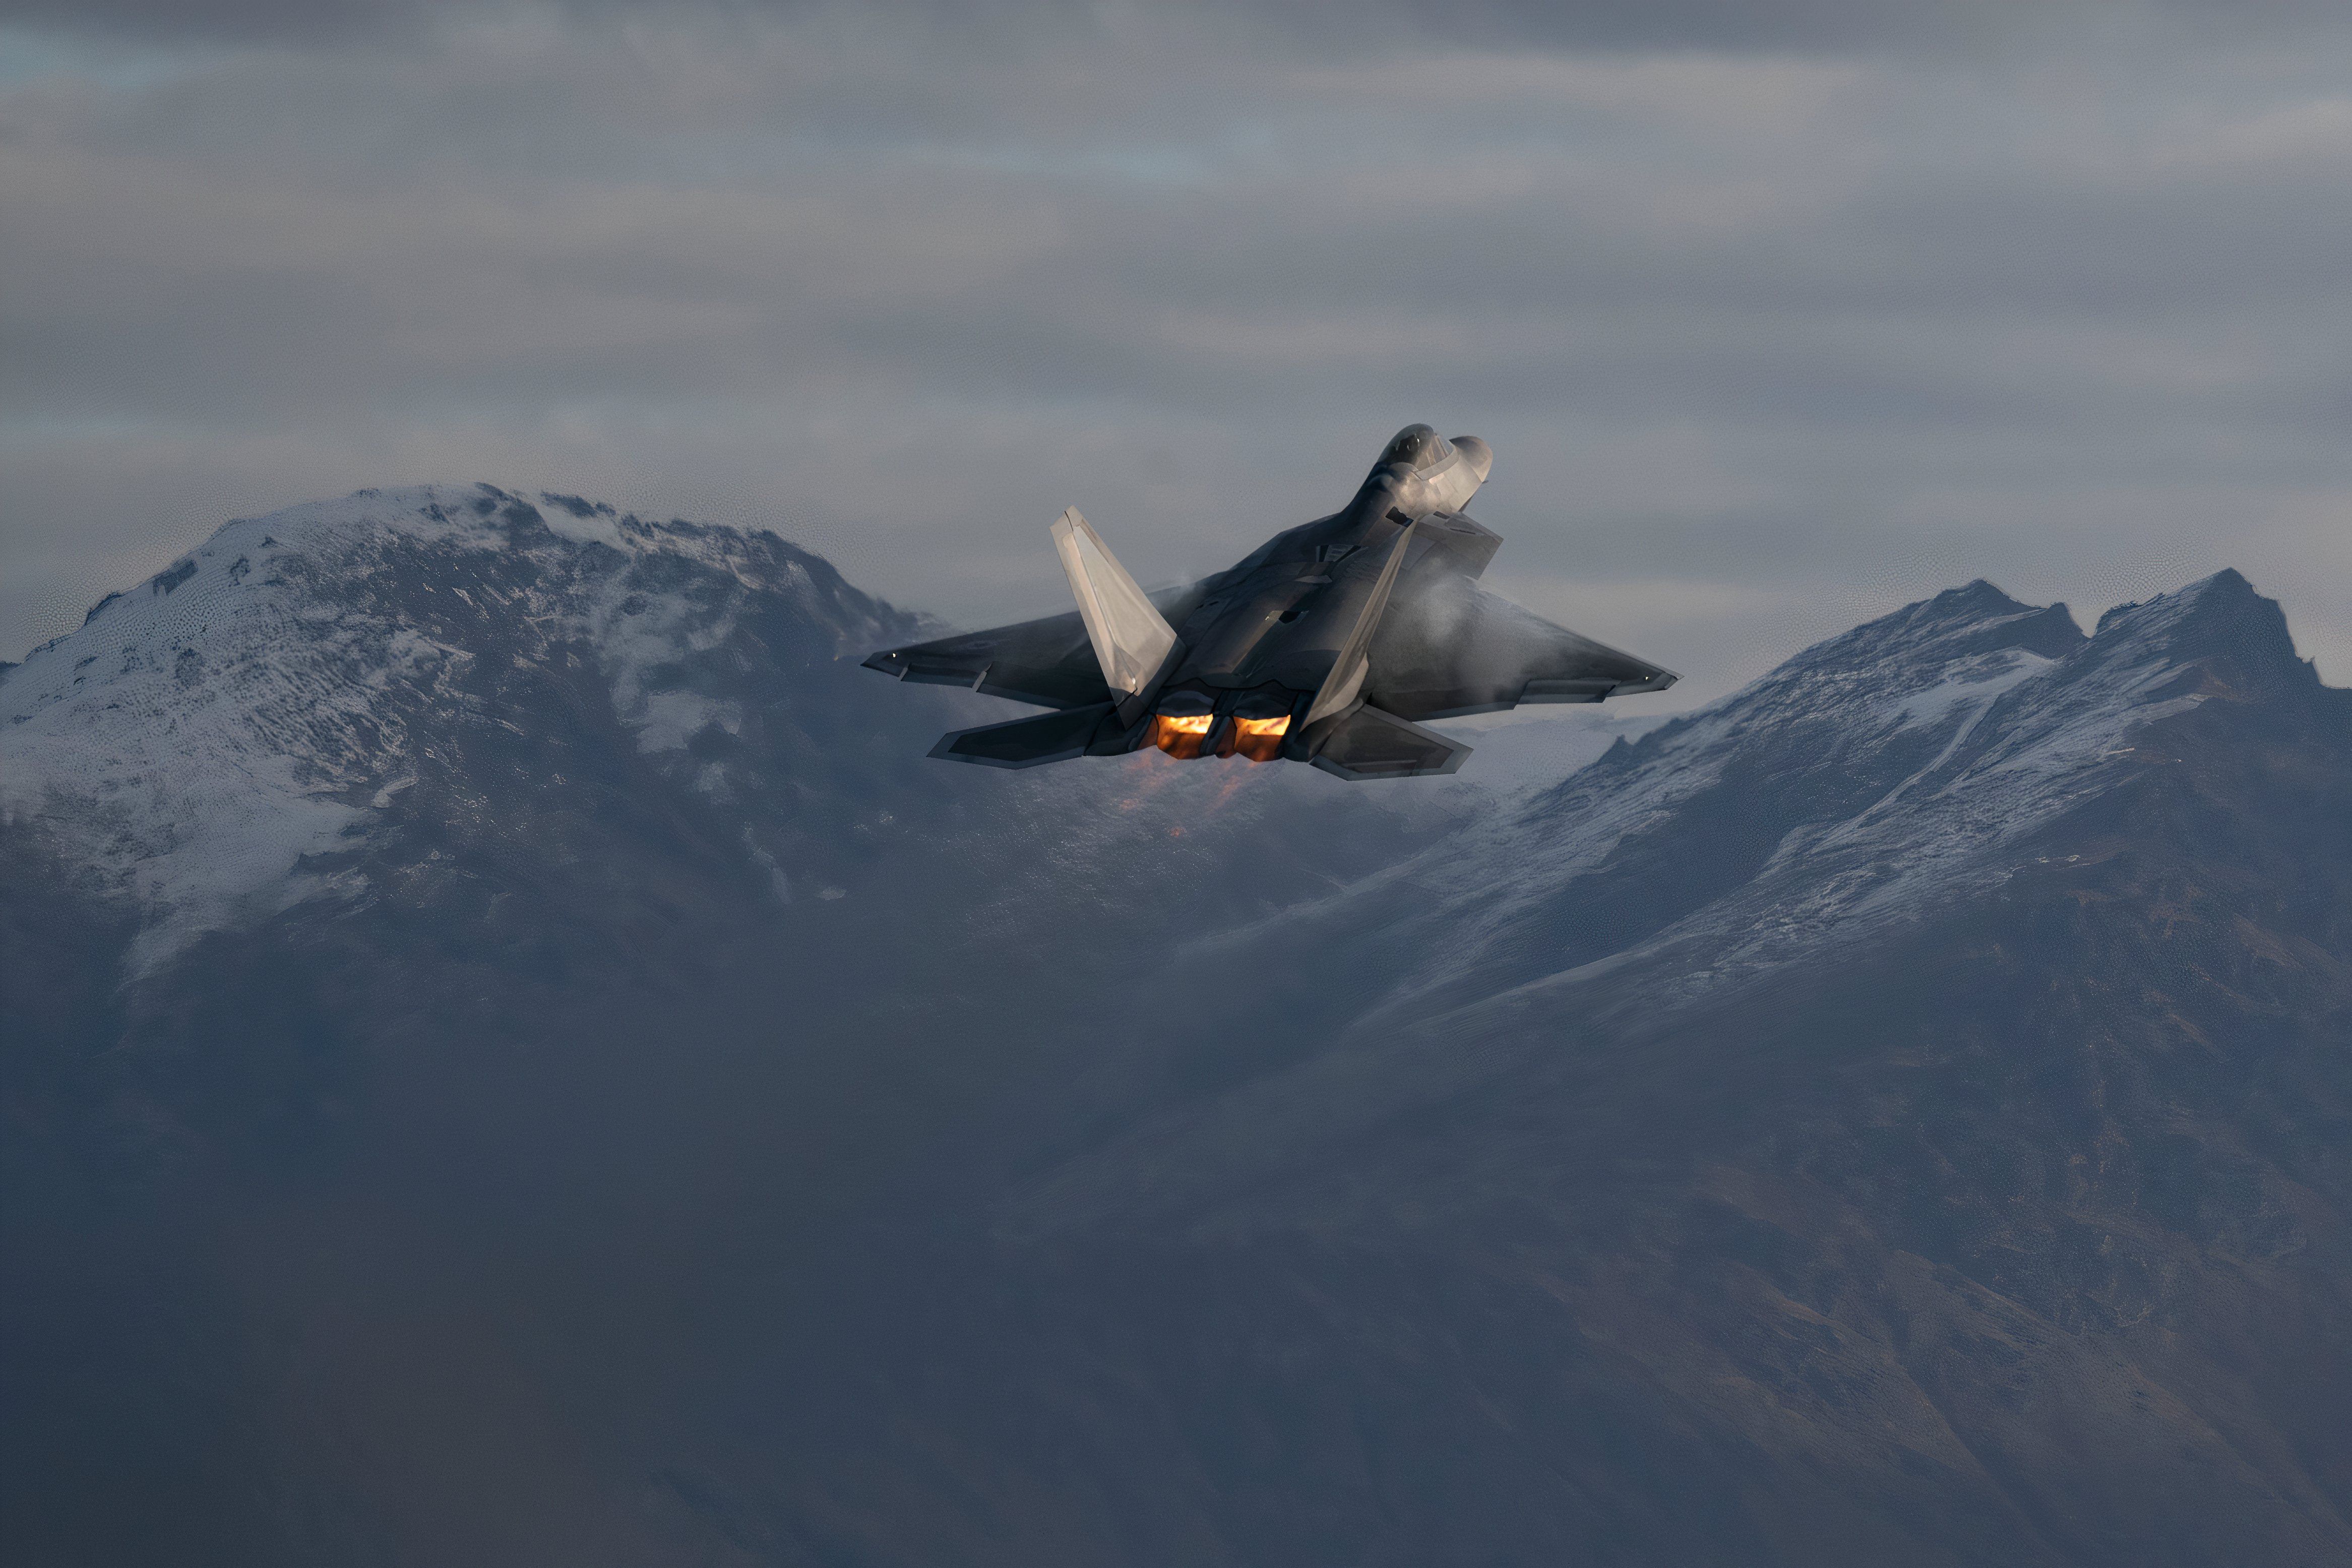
1132,639
1346,680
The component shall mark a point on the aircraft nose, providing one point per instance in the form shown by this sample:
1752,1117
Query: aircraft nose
1476,452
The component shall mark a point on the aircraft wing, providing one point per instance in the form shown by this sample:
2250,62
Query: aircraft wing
1049,662
1448,648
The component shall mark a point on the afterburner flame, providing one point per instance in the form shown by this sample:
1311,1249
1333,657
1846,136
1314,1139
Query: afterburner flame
1179,736
1187,737
1260,739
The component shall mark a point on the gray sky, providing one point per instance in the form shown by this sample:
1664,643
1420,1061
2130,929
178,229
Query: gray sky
1777,314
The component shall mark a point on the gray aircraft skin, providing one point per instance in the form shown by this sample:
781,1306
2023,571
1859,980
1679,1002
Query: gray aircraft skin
1326,644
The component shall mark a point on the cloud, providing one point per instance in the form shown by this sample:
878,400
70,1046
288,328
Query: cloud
241,21
1826,326
1366,26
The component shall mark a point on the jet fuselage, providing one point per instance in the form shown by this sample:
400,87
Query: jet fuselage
1265,632
1293,652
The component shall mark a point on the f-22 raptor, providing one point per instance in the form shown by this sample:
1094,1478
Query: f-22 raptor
1327,645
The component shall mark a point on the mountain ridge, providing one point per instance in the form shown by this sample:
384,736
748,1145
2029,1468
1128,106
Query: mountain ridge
1902,1111
328,755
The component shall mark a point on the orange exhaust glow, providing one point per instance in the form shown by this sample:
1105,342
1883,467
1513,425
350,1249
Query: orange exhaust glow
1184,738
1180,738
1260,739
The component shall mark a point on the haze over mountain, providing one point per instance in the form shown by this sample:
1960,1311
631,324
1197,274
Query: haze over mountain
516,1057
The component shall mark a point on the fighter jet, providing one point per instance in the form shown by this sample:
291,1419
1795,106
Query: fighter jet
1327,645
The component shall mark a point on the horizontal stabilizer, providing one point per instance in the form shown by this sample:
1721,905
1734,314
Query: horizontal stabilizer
1049,662
1370,744
1025,742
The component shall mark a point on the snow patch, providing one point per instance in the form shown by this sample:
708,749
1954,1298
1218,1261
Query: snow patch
204,739
2024,738
667,721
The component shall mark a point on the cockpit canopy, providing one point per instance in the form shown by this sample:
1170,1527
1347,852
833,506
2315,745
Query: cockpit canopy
1418,447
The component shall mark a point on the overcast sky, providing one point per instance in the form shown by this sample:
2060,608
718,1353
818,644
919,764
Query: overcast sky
1778,313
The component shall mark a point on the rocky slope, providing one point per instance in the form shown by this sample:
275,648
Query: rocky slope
1901,1113
1901,774
518,1058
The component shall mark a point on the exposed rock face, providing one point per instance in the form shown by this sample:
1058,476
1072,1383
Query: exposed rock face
515,1057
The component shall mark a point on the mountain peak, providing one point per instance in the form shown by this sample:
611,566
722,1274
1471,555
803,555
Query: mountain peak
1977,597
1874,776
2227,590
249,712
1976,619
2220,623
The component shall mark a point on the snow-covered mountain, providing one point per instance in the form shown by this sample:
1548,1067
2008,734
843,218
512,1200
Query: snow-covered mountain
515,1054
1894,777
1915,1089
220,742
1890,771
213,741
1881,777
